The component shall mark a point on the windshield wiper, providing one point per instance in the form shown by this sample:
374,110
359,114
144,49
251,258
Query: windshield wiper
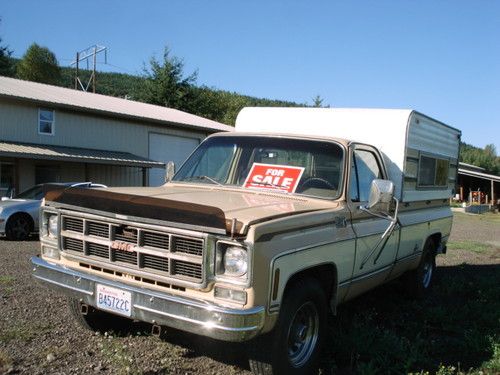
278,187
204,178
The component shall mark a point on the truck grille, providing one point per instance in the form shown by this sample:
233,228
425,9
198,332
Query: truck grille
166,255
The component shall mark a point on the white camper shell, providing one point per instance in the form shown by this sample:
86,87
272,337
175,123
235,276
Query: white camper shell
421,154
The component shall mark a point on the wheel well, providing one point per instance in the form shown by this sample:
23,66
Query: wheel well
24,214
436,239
326,274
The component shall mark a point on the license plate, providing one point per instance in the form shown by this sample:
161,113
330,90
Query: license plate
114,300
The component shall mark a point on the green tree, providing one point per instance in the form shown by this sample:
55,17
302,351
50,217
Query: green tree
39,64
6,63
486,158
165,83
318,102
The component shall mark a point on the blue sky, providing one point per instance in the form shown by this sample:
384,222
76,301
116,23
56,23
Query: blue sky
439,57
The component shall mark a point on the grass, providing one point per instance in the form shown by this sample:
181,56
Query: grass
24,332
118,354
473,246
455,330
6,285
490,217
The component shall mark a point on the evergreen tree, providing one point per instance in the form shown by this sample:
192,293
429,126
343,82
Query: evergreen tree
39,64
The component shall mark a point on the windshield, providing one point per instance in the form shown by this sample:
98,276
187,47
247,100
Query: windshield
283,164
32,193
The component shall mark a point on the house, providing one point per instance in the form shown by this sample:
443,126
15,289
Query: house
54,134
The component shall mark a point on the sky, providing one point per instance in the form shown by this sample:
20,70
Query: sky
440,57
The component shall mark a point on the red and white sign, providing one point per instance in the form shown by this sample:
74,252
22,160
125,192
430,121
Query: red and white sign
273,177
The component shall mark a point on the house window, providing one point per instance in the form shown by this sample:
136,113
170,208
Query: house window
433,172
46,121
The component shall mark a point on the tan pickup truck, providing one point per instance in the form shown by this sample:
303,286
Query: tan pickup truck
262,232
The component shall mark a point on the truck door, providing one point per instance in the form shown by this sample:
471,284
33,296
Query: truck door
374,258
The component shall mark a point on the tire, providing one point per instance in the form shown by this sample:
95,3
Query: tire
19,227
294,346
420,280
97,320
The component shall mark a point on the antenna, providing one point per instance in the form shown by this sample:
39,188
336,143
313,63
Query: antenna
85,55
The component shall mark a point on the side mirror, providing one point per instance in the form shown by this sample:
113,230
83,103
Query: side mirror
381,195
169,171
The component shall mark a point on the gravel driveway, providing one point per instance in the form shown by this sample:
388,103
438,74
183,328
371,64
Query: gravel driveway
38,336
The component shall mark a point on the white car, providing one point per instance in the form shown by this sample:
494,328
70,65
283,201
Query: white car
19,215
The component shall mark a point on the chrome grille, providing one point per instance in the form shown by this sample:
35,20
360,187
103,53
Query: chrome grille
165,255
188,246
72,244
97,229
125,234
98,250
125,257
156,240
155,262
73,224
186,269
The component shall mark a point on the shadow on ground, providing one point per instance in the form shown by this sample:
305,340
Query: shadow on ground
386,332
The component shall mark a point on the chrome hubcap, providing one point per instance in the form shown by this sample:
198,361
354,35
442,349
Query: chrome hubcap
427,274
303,334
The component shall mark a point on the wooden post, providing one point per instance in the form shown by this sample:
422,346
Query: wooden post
492,192
461,193
144,176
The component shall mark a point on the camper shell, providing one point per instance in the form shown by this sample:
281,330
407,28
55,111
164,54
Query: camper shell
420,153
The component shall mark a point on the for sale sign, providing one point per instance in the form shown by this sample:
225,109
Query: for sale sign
274,177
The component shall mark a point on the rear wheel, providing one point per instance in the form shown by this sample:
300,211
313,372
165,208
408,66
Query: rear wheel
420,280
19,227
294,347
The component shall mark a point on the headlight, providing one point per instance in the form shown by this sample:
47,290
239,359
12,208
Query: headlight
235,261
53,225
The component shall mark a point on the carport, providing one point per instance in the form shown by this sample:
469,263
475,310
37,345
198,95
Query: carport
474,179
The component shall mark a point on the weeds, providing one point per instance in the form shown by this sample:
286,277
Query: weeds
24,332
5,362
455,328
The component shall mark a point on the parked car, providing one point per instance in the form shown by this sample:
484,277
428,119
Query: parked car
19,215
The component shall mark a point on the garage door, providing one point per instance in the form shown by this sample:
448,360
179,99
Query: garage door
167,148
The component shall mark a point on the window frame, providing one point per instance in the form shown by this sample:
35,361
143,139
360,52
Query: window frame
436,159
380,163
53,122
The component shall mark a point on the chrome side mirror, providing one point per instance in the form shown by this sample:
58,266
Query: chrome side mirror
169,171
381,196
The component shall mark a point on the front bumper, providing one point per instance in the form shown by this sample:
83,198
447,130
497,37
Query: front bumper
189,315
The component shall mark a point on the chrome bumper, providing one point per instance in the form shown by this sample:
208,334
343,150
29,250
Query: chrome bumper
181,313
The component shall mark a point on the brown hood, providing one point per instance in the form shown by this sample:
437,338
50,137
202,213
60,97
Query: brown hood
197,205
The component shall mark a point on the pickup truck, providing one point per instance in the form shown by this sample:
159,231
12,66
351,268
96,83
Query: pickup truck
262,232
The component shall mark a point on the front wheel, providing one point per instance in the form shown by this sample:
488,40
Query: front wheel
18,227
294,347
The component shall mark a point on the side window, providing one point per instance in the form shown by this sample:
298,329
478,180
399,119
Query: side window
364,170
46,120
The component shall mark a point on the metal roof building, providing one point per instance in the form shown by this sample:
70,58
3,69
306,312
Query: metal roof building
50,134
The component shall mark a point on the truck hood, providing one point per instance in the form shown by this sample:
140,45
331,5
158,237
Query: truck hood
224,209
245,205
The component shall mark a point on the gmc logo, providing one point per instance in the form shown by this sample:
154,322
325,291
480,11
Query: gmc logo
123,246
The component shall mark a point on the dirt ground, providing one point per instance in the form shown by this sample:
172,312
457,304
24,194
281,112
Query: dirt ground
38,336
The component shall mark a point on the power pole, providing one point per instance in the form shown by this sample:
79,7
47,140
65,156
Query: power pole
84,55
